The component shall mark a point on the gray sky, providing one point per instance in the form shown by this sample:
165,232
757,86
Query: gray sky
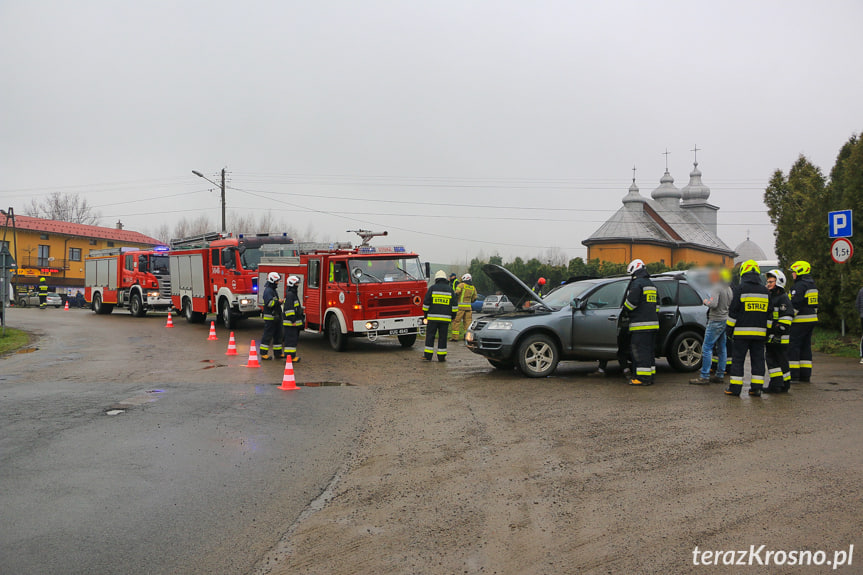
501,104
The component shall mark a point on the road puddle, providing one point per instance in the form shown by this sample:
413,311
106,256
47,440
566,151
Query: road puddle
325,384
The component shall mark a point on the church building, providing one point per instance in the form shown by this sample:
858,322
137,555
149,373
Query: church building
671,226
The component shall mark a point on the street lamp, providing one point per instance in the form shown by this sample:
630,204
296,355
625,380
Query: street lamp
222,187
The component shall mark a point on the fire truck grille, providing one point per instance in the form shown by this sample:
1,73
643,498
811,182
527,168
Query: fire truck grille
392,302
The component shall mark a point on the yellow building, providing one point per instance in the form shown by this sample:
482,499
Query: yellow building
672,226
56,250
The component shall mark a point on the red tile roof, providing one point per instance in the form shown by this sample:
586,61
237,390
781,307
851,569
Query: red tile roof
82,230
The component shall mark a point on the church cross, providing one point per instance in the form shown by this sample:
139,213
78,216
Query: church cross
695,150
665,153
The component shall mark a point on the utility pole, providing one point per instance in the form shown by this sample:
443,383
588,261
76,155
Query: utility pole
222,187
224,229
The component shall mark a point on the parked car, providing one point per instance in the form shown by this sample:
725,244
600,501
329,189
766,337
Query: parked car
579,321
476,306
497,304
31,298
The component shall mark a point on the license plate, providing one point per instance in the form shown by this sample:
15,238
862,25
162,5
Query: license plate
402,331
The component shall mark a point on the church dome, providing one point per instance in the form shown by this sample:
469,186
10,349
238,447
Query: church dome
633,196
749,250
695,191
666,189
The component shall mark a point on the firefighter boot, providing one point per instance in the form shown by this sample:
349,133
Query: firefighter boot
734,389
755,389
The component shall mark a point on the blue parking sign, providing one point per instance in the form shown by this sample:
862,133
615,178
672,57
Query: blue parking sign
839,224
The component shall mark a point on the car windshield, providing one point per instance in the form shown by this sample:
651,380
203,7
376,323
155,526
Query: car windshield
564,295
380,270
493,298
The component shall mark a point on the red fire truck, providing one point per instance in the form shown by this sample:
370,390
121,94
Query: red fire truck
127,277
356,291
218,273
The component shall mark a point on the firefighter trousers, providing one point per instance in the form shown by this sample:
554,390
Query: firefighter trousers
43,301
463,316
272,338
292,339
440,329
755,349
800,351
777,367
642,344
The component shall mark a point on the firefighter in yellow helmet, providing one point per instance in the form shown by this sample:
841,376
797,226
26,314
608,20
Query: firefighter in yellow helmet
43,293
804,298
465,295
747,321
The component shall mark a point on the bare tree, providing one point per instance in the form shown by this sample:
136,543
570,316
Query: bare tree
63,207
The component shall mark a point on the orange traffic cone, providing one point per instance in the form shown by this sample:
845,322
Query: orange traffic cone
232,346
212,336
253,356
289,383
170,321
66,307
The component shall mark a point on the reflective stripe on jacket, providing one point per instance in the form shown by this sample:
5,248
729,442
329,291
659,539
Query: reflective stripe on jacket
750,308
804,298
641,302
294,316
440,303
465,295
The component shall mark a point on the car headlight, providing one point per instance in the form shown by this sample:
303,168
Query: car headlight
499,324
152,294
371,325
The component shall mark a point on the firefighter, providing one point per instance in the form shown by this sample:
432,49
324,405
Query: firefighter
453,281
43,293
294,317
465,295
641,306
778,333
272,318
747,321
804,298
537,287
439,309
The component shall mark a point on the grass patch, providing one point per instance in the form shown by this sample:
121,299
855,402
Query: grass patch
831,342
14,339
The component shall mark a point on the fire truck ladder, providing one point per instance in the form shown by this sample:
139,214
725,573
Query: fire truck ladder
200,240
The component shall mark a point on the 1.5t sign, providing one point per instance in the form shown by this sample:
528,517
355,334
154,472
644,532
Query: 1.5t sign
841,250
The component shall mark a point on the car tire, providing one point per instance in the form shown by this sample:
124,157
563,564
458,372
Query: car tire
338,340
537,356
408,340
136,306
502,364
22,302
684,354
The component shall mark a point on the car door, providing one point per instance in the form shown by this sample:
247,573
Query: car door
669,312
594,328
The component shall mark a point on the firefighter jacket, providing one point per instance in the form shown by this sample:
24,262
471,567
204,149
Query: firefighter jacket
440,303
43,286
465,295
804,297
294,315
272,305
750,308
641,303
781,315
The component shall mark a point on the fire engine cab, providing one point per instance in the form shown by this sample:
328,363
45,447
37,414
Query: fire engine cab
218,273
356,291
127,277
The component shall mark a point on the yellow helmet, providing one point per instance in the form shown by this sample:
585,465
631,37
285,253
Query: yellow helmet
801,268
749,266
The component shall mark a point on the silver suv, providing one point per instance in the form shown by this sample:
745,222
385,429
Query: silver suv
579,321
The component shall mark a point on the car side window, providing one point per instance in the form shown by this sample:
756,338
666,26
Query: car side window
689,297
609,296
667,292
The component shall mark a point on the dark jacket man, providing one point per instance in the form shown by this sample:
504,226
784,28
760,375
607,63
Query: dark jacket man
747,322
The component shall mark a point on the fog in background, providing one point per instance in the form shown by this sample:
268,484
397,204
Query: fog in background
461,127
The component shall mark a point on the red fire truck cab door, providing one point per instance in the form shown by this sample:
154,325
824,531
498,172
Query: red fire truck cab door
313,302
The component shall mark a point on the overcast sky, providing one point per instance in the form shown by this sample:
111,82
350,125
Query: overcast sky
339,114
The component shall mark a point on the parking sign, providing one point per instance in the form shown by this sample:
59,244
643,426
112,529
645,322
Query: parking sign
839,224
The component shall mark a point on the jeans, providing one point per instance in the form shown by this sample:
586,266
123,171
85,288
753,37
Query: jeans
715,333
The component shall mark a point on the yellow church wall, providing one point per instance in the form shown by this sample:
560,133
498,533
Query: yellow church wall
624,253
701,258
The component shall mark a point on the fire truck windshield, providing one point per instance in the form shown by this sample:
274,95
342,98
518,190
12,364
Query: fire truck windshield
159,264
380,270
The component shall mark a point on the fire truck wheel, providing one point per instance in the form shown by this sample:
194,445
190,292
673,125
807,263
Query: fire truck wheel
225,314
136,306
338,340
408,340
192,316
99,307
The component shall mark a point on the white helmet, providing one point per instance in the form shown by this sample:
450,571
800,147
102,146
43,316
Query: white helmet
466,278
634,266
780,277
293,280
273,277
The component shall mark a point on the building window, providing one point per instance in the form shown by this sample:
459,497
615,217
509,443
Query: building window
44,255
93,242
75,254
4,245
43,236
110,244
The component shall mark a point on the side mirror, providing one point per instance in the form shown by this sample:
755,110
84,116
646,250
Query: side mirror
358,273
577,304
428,270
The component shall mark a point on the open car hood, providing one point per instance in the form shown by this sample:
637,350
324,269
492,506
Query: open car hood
512,287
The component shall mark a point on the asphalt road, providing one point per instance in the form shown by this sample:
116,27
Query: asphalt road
204,470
